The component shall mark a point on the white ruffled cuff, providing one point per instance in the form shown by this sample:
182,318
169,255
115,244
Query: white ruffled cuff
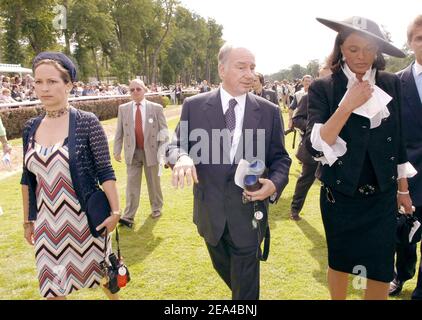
330,153
406,170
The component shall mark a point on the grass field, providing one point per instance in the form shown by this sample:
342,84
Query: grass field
168,259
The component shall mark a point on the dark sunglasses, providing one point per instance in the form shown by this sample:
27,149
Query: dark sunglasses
137,89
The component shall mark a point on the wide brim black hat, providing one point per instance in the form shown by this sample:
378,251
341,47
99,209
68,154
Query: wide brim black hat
366,27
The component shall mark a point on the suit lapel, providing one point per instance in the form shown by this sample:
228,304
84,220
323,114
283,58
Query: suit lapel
214,111
252,115
339,89
410,93
251,120
148,115
130,121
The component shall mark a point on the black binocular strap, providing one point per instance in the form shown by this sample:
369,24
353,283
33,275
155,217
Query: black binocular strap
262,255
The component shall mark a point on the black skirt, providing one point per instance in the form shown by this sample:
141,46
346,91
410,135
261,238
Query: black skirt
360,232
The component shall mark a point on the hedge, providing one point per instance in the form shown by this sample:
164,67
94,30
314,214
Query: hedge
14,119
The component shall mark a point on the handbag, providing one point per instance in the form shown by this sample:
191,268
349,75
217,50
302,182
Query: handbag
409,230
97,210
116,273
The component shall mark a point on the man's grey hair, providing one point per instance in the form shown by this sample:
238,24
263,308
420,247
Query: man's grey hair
140,82
224,53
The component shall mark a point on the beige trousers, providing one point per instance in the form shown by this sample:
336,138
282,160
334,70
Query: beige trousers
133,186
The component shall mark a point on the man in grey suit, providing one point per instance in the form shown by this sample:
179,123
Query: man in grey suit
142,129
237,125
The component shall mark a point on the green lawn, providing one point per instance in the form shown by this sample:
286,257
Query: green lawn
168,259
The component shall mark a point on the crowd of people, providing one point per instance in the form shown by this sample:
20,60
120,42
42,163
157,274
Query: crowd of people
353,139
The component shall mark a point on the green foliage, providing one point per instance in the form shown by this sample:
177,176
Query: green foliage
166,101
394,64
158,40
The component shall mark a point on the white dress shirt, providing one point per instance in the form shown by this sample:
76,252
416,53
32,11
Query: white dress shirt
417,74
143,113
239,111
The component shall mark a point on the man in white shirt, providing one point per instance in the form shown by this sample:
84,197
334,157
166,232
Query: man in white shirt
142,128
232,120
411,80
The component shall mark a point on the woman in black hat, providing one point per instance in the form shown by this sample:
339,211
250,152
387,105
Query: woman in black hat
354,131
66,155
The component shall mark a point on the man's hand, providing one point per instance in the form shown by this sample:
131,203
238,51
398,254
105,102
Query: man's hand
184,167
7,148
118,157
267,190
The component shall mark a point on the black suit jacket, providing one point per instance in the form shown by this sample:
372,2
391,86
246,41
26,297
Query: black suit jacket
300,119
384,144
217,200
270,95
412,130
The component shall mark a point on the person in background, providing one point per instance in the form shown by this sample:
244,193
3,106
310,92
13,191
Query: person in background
411,82
141,131
3,139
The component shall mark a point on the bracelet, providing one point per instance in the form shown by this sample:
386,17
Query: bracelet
403,192
116,213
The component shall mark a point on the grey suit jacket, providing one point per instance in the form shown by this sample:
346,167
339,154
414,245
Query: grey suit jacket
155,133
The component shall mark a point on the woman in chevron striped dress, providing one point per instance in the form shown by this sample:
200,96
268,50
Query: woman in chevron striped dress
66,157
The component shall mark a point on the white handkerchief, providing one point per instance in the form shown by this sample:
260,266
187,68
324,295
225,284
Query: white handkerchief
375,109
242,169
374,105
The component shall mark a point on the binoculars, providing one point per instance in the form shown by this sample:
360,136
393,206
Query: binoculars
251,179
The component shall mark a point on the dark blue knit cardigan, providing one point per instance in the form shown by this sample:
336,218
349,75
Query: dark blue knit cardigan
89,156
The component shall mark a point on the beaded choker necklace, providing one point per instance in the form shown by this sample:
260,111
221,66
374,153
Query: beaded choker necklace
57,113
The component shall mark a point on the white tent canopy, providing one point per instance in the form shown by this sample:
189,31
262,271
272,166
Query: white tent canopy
13,68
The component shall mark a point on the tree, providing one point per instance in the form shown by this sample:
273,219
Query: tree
394,64
313,68
93,36
166,17
11,13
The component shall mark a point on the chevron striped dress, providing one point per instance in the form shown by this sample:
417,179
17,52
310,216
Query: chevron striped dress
67,255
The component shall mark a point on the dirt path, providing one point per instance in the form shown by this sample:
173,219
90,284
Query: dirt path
16,157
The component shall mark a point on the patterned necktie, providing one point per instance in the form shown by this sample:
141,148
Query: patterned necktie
139,132
230,115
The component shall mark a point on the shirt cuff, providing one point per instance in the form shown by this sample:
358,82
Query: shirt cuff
330,154
406,170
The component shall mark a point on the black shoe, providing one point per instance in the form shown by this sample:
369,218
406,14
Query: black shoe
295,216
395,287
417,294
126,223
